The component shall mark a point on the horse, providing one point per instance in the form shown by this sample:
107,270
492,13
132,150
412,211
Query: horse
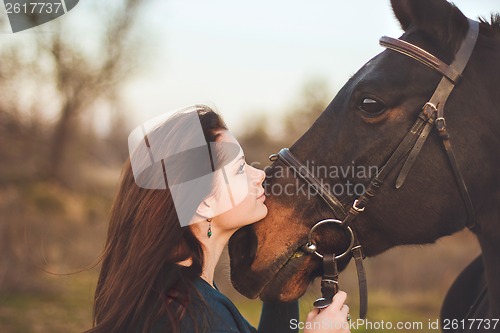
428,191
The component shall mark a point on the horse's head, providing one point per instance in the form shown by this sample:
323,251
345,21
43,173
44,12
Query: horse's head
354,137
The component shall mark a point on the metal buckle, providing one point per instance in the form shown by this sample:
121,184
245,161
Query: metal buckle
358,247
440,123
329,281
356,208
427,114
431,105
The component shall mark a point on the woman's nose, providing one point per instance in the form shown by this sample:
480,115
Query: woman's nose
260,175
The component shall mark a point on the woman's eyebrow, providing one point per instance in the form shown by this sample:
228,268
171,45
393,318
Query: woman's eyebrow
239,159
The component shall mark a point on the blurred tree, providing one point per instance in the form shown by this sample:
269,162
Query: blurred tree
51,79
260,139
316,95
59,74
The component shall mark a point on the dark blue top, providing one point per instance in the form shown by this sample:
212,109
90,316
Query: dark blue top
224,317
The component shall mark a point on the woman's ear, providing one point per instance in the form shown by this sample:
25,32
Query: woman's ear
206,209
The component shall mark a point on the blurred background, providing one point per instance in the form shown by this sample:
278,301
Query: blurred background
72,89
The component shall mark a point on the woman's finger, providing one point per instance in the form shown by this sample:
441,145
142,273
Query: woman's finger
313,313
338,301
344,310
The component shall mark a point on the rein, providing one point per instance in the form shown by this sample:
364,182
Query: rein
432,114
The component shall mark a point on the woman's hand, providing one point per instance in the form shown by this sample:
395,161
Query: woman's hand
332,319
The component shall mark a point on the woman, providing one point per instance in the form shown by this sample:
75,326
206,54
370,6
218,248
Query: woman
168,229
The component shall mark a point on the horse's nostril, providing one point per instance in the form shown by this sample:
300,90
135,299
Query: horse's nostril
242,246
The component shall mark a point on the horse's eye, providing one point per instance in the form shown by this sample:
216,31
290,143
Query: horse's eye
371,106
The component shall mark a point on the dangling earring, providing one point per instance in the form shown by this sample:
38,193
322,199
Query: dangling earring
209,233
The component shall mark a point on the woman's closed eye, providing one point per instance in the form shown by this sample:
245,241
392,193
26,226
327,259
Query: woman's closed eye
241,169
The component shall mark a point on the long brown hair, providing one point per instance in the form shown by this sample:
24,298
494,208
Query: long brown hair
140,282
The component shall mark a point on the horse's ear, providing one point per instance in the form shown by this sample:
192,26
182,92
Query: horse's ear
402,12
438,18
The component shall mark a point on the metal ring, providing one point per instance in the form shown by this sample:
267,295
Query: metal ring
310,242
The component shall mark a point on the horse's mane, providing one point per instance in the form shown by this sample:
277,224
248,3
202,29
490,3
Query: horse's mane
494,25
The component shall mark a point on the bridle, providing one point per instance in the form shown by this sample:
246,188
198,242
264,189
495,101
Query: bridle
432,114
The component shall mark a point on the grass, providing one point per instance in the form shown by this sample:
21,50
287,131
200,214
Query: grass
69,310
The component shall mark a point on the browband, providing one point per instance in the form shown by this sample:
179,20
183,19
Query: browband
453,71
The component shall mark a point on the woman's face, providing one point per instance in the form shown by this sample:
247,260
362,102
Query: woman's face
240,190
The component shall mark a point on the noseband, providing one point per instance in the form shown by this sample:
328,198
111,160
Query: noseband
432,114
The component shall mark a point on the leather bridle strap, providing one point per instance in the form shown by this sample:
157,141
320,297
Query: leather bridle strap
421,55
339,211
432,113
291,161
435,106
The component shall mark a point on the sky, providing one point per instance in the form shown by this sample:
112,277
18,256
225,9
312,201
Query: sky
249,57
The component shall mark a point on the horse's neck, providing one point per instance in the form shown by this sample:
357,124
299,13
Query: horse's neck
488,80
489,239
